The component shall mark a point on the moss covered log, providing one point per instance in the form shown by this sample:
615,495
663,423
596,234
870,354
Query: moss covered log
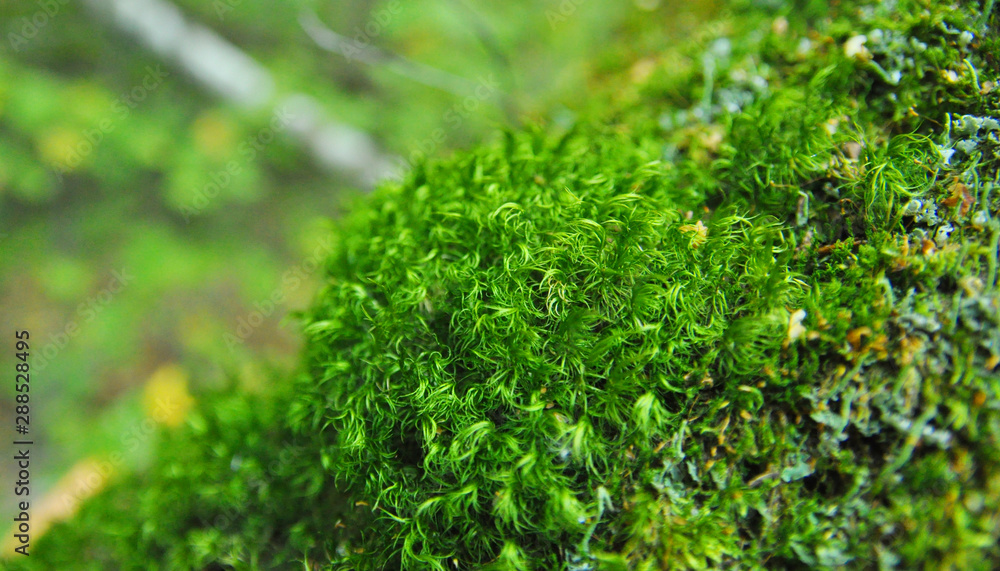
744,315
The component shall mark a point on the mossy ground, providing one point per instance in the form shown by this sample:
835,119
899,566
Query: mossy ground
745,316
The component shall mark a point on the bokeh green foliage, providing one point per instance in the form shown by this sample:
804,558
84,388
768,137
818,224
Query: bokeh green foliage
748,321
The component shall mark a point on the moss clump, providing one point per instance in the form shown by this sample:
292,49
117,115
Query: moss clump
508,340
749,318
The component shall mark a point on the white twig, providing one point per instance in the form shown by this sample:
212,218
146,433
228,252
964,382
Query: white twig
235,76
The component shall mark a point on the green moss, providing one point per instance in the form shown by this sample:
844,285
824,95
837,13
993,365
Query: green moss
511,336
747,317
224,491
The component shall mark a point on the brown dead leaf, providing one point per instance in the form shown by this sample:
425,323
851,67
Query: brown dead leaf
960,197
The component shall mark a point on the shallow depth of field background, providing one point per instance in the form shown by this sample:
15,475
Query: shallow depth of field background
133,201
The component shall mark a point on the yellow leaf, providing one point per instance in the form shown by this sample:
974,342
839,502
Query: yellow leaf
697,231
166,398
64,148
214,135
85,478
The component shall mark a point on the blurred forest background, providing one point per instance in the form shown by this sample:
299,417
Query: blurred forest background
153,204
